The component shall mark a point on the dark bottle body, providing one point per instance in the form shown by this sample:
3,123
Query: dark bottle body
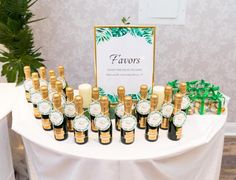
174,133
27,94
117,120
142,119
60,132
46,123
105,137
69,121
93,127
36,112
151,133
81,137
127,137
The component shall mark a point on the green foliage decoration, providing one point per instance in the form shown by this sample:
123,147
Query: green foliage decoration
17,37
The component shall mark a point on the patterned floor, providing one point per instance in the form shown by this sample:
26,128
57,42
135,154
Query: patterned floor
228,167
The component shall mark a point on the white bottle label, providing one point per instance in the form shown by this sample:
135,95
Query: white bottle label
185,102
69,110
167,109
179,119
143,107
44,107
128,122
56,118
95,108
35,97
102,122
28,84
81,123
120,110
154,119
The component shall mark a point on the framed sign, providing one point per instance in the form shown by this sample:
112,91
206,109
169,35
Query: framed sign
124,56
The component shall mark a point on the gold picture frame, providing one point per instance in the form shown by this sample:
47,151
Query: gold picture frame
154,28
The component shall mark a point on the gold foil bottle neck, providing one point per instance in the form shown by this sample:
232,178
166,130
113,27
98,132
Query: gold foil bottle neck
57,101
53,80
27,72
35,75
42,72
70,94
104,105
154,102
177,102
121,93
36,83
79,104
168,94
59,86
143,91
128,104
183,88
95,93
51,73
61,71
44,92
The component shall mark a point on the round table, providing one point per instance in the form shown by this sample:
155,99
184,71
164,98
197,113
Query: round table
196,156
7,97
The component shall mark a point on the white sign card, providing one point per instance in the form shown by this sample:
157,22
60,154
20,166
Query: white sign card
124,56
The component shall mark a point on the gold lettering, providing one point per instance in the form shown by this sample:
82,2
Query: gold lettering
36,113
105,137
142,122
46,124
79,137
152,134
94,128
129,137
59,133
165,123
178,132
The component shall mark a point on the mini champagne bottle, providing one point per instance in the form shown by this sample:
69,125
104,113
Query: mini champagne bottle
154,120
143,107
185,105
69,109
81,122
52,86
103,123
43,76
45,107
61,74
27,83
57,119
128,122
167,107
119,111
94,108
177,119
35,97
59,89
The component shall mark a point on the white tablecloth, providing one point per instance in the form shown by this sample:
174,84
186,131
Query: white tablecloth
197,156
7,96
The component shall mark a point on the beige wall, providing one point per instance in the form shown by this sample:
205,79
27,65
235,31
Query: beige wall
204,48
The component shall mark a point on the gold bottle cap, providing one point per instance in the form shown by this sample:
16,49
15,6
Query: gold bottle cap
128,104
183,87
168,93
42,72
51,73
36,83
143,91
61,71
53,80
27,72
35,75
95,93
44,92
104,105
177,102
154,102
121,93
57,100
70,94
79,104
59,86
